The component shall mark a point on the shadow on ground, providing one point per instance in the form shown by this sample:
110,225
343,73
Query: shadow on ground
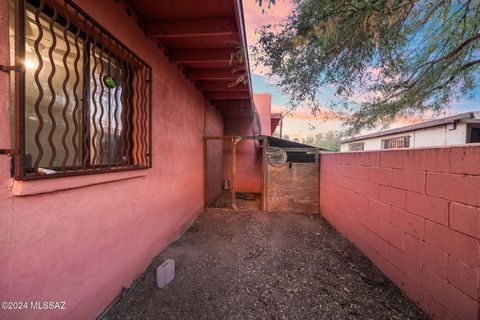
254,265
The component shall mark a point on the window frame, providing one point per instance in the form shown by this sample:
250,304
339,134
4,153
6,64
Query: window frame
353,144
406,140
470,132
19,154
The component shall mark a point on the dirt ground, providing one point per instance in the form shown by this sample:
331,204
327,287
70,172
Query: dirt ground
244,201
254,265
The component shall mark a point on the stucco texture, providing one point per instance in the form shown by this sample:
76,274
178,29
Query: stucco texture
248,161
263,102
83,245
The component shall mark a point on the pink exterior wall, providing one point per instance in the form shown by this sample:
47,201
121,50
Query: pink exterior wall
416,214
249,166
249,161
4,78
82,245
263,102
215,168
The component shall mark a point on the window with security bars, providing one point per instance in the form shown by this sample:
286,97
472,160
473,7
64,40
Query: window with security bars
474,135
83,100
397,142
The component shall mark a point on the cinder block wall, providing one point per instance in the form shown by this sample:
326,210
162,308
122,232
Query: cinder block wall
416,214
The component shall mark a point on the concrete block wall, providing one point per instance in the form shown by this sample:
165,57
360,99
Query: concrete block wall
416,214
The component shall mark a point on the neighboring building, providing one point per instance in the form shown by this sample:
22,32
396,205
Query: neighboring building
268,120
454,130
275,120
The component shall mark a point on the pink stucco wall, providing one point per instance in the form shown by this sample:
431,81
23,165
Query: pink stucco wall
249,164
416,214
214,169
4,78
249,161
82,245
263,102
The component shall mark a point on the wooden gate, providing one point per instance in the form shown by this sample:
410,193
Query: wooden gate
293,187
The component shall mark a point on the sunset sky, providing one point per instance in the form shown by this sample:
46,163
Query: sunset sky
301,123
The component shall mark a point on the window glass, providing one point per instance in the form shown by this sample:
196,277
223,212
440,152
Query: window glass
87,96
51,72
397,142
105,123
357,146
475,135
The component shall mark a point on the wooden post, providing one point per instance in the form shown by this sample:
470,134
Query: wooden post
235,140
234,171
265,176
205,172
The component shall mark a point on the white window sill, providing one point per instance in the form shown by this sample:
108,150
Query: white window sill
33,187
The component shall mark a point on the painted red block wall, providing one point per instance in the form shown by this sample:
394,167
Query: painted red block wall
263,103
416,214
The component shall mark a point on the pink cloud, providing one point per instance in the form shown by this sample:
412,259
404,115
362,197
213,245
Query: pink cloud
255,18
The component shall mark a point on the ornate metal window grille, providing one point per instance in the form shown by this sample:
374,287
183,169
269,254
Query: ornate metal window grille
397,142
83,99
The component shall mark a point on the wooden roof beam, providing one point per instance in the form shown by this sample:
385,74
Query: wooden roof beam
220,86
232,103
234,109
242,116
212,74
191,27
214,95
204,55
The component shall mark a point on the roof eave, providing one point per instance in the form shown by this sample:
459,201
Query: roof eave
243,36
418,126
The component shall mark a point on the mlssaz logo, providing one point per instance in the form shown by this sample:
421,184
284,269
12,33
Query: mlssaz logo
47,305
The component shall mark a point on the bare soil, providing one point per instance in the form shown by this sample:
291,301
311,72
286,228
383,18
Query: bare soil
254,265
244,201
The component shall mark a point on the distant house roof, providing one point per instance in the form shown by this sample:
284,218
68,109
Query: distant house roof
422,125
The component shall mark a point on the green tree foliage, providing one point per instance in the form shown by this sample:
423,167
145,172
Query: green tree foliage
329,140
405,56
308,140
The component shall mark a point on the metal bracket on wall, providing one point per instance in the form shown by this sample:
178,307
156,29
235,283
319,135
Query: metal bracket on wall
12,68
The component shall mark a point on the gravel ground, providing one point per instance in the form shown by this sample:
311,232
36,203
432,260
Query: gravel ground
254,265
